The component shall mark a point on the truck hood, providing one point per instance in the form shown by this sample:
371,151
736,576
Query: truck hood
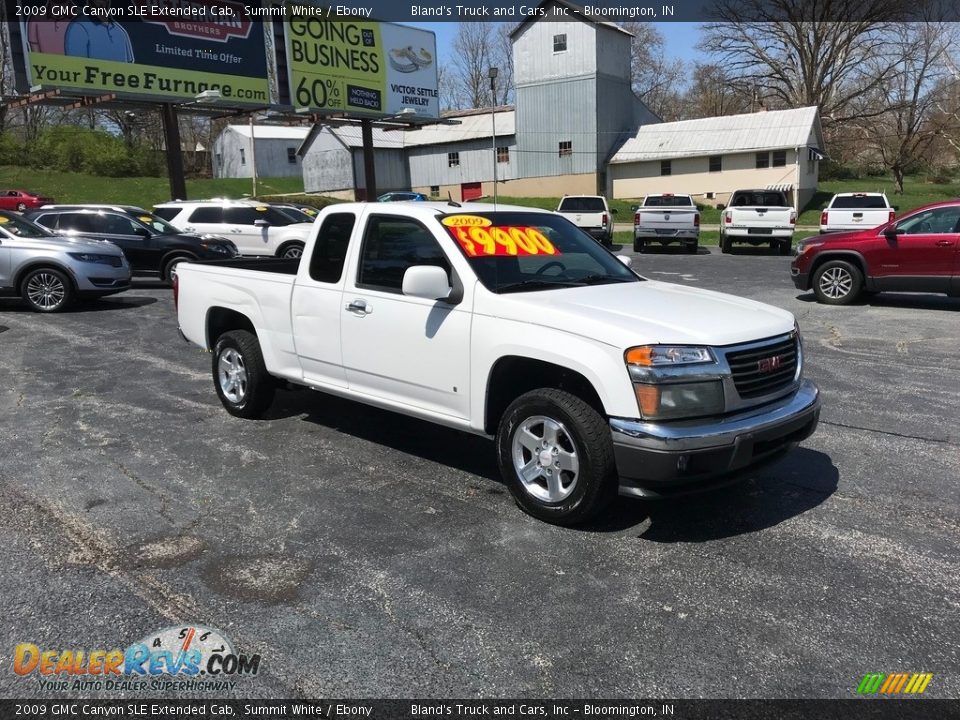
642,313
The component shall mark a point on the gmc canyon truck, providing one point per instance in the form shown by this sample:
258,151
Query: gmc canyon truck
510,323
758,217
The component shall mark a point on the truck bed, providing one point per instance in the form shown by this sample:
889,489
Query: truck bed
283,266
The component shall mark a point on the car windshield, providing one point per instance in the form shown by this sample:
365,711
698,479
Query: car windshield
18,226
156,224
582,204
296,214
758,199
860,202
668,201
523,251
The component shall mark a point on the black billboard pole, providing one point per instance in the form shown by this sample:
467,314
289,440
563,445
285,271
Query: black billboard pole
171,137
369,165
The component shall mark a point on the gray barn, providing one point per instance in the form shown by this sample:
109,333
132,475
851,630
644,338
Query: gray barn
276,148
332,160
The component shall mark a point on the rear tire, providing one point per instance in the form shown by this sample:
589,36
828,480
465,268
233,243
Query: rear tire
46,290
240,376
291,251
556,456
786,248
639,246
691,249
725,245
837,282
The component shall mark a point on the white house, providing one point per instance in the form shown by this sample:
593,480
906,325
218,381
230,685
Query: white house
276,151
712,157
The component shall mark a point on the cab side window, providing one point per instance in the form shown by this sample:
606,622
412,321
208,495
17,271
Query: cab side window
330,249
390,246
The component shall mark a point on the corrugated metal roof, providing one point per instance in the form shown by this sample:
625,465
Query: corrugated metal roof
473,126
350,135
769,130
272,132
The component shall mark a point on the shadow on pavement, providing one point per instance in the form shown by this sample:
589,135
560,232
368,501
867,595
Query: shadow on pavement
113,302
905,301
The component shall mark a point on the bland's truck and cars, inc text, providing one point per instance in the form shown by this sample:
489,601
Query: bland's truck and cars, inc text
510,323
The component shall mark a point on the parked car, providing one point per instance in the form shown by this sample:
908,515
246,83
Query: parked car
590,213
758,217
856,211
152,245
254,227
21,200
512,324
49,271
918,252
401,196
667,218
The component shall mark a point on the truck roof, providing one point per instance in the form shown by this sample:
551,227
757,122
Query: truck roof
438,207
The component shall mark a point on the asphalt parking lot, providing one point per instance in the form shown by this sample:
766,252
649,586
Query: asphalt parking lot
364,554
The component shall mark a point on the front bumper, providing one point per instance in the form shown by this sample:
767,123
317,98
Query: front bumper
801,280
657,459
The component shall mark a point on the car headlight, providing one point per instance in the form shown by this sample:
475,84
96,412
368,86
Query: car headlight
96,258
679,400
802,248
658,355
217,247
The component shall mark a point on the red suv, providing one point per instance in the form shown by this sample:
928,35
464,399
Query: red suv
917,252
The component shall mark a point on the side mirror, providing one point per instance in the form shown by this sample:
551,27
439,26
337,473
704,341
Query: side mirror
890,233
626,260
426,281
141,232
721,207
261,223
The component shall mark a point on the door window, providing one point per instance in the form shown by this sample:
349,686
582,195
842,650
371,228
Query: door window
78,222
207,215
330,249
390,246
116,225
938,221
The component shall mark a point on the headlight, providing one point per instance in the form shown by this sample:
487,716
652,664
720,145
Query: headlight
679,400
658,355
219,248
97,258
806,247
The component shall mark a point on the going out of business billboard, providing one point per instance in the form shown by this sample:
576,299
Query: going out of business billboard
359,67
172,51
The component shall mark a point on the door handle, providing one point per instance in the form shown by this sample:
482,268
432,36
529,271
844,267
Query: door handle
359,306
944,243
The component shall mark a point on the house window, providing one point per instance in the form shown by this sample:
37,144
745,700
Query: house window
716,163
560,43
566,148
666,167
453,159
292,156
763,160
434,191
779,158
503,154
243,157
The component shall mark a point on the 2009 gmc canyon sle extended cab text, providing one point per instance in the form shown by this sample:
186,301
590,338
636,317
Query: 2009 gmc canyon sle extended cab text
511,323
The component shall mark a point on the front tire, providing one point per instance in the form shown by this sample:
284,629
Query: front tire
556,455
170,267
240,376
46,290
21,207
837,282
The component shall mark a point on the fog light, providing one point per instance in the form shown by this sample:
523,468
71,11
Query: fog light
680,400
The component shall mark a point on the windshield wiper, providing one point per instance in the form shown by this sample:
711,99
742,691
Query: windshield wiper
537,284
599,278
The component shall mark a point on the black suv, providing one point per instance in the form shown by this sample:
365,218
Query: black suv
152,245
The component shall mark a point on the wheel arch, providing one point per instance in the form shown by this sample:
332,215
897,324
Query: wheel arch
40,263
222,320
513,375
849,255
283,246
174,253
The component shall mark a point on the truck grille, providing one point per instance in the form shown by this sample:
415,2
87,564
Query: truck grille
764,370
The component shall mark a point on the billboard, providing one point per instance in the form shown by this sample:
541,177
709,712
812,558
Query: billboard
172,51
358,67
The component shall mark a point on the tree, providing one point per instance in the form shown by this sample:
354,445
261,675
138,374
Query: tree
478,47
797,53
711,94
655,78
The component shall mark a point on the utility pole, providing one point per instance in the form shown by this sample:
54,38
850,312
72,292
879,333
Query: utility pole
171,138
253,156
492,73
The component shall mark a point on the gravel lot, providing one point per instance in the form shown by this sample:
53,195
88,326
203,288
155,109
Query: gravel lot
364,554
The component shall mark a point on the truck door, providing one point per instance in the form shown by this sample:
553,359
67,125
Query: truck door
400,348
316,307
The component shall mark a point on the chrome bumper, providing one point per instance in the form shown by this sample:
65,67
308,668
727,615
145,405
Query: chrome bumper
664,458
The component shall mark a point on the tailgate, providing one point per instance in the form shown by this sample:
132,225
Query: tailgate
762,217
584,219
857,218
665,218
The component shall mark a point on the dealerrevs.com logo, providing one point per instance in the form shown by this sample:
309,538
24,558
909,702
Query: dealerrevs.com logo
181,658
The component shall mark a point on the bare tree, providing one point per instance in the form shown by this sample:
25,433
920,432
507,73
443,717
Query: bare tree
477,47
656,79
904,108
712,94
6,65
797,53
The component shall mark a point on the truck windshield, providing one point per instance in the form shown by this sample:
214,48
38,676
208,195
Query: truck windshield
755,199
668,201
522,251
860,202
582,205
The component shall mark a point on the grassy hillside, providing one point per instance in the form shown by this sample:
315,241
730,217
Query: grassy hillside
142,191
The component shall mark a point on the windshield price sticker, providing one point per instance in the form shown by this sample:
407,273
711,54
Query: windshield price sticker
145,218
466,221
488,241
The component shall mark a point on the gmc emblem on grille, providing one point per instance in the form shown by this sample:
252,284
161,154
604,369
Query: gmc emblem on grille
768,365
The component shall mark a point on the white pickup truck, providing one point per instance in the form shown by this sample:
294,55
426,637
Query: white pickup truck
667,218
590,213
856,211
758,217
510,323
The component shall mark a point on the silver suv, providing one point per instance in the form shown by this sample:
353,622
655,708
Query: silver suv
49,271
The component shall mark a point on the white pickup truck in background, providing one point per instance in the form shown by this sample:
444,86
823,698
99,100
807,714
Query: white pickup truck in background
758,217
667,218
590,213
856,211
509,323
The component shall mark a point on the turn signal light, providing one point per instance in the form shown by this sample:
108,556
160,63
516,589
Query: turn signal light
648,398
